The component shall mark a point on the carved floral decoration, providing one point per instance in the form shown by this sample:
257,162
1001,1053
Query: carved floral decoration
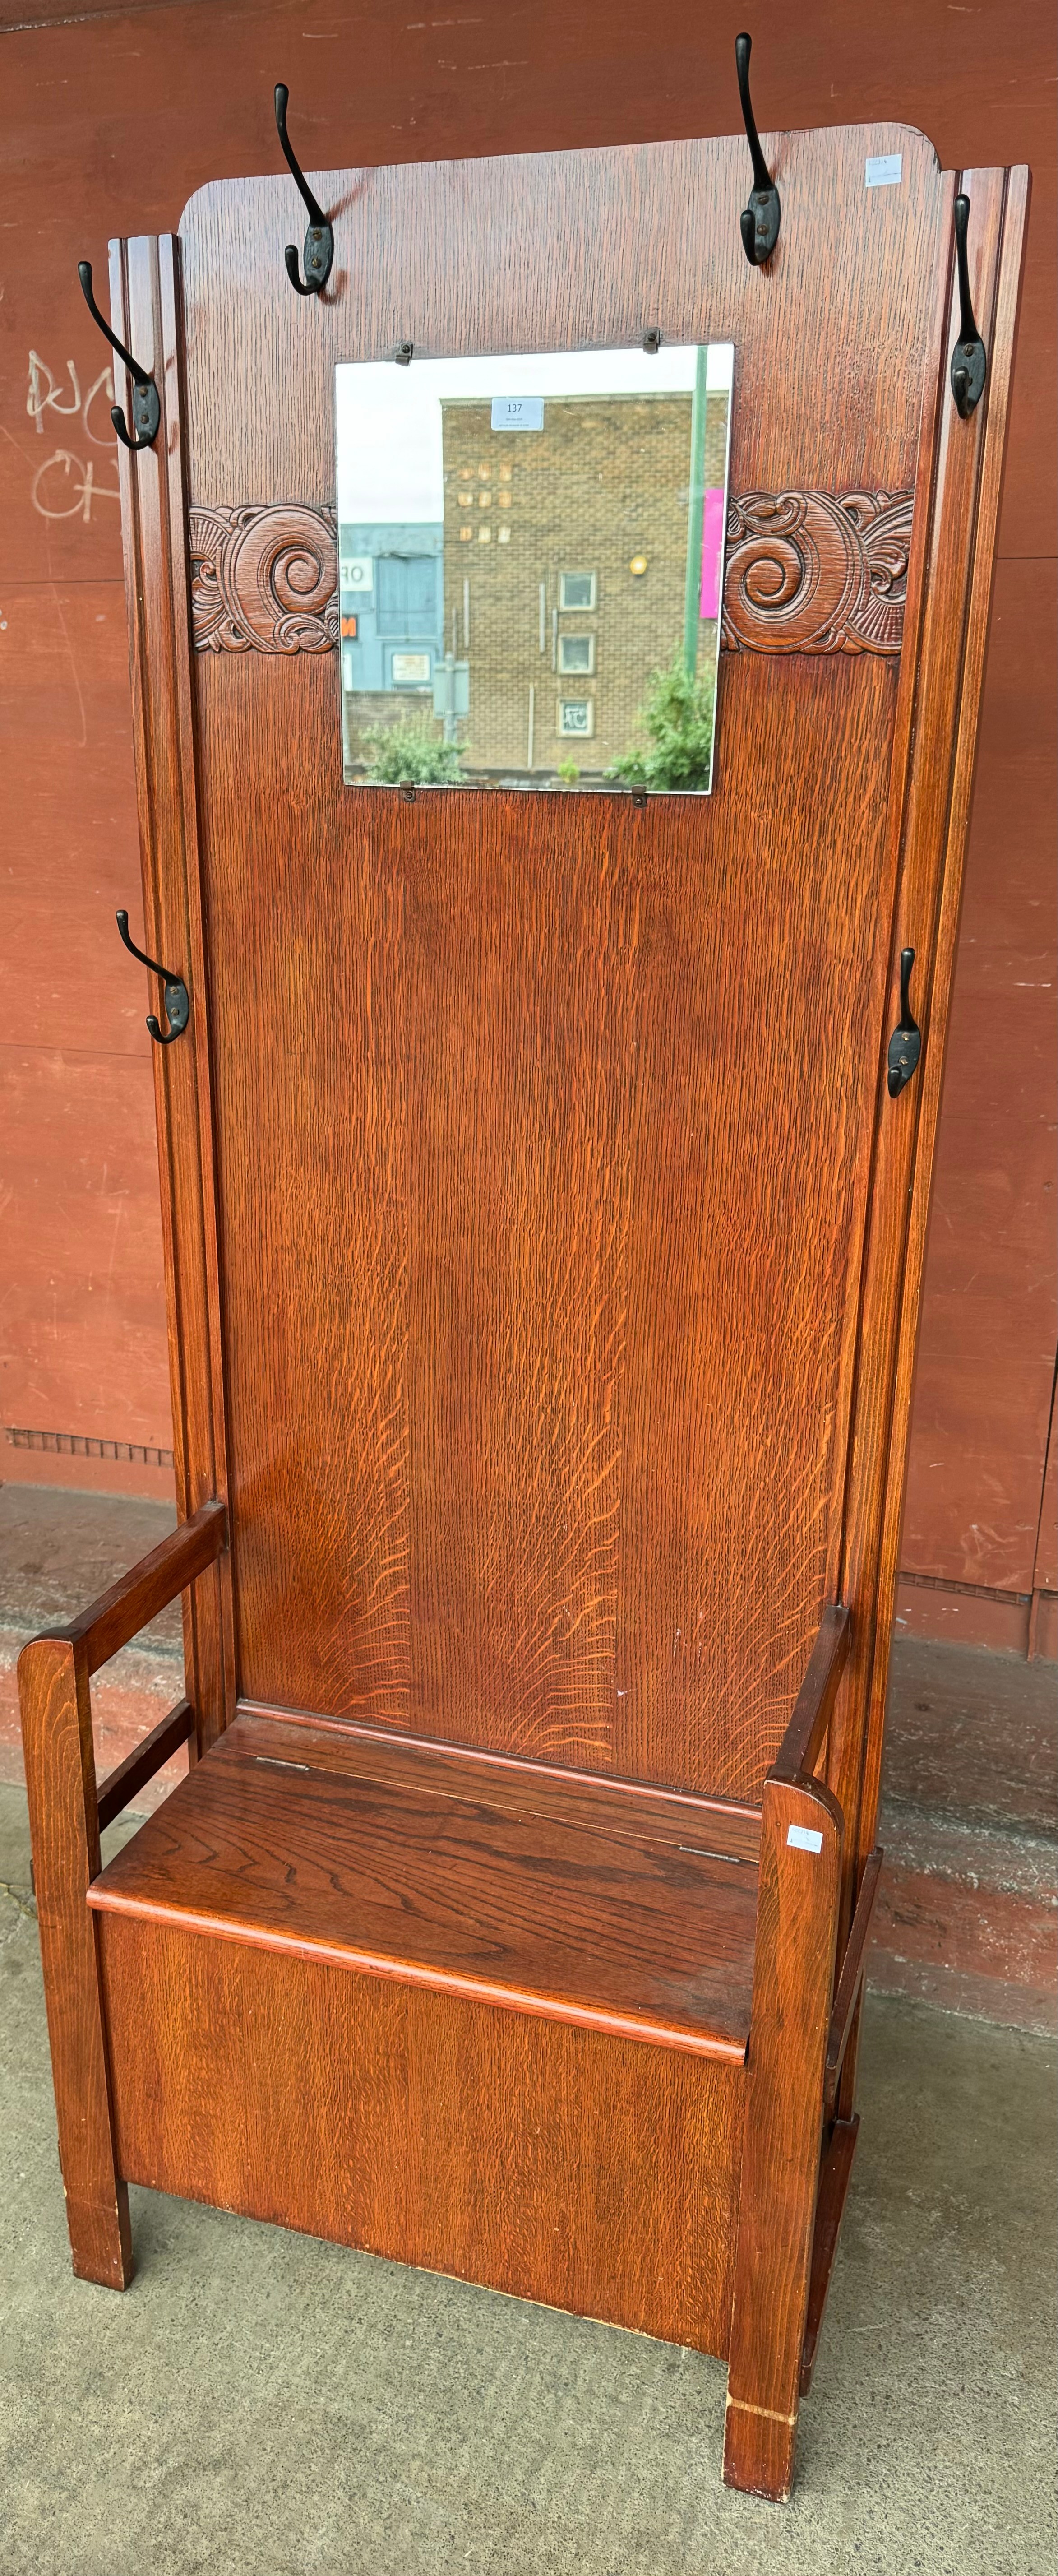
806,572
264,579
816,572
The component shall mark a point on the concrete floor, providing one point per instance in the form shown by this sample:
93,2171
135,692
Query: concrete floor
262,2405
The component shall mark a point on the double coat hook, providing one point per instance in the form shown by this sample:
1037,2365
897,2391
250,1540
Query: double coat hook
146,408
759,221
969,361
177,1003
319,239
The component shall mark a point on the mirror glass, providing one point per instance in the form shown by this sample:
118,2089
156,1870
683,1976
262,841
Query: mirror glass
531,564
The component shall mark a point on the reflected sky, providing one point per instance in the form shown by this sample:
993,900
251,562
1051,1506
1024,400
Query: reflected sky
388,423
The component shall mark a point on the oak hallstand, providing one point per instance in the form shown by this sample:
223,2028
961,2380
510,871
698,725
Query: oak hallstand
544,1244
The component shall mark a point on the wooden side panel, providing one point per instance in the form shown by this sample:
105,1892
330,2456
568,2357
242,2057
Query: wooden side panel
64,1823
145,303
933,823
556,2164
793,1982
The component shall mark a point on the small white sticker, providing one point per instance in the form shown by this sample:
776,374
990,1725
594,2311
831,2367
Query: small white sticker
886,170
517,411
803,1838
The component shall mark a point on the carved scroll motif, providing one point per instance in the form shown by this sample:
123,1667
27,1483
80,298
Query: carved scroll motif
816,572
806,572
264,579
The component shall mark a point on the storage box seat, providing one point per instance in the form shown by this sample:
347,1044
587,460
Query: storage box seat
599,1902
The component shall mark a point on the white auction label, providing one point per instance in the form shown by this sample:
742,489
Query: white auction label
885,170
517,411
803,1838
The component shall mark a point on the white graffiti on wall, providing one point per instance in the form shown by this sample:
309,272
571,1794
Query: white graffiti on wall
64,485
47,488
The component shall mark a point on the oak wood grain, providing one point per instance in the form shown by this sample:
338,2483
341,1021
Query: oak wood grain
798,1753
531,1279
463,256
342,1851
509,1298
64,1824
551,1282
551,2162
107,1624
579,1423
624,1808
793,1979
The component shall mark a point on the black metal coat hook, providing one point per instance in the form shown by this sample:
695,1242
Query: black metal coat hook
319,239
146,408
759,221
905,1045
177,1004
969,358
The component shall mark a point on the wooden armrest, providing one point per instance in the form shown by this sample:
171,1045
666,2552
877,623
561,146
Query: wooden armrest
119,1788
799,1750
138,1596
850,1980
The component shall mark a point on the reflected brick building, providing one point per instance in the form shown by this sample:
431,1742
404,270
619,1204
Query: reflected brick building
565,570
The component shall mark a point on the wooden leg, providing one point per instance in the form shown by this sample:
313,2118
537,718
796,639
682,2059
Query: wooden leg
64,1825
793,1985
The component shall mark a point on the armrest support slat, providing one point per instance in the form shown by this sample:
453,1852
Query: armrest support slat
797,1754
850,1980
137,1597
119,1788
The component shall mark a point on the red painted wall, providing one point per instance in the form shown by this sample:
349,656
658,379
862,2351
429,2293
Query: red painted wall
110,122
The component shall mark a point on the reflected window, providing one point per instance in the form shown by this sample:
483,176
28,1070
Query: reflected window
576,652
407,595
576,716
531,567
576,589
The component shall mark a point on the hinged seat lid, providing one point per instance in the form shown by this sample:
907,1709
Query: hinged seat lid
594,1902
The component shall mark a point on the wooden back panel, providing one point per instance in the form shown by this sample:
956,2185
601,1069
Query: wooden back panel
554,1262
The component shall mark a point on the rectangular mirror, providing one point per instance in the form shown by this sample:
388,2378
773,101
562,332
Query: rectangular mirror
531,566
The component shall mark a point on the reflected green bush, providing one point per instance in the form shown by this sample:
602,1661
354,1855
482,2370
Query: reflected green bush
407,755
677,716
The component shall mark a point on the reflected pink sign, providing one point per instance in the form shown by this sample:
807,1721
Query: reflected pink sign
712,551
